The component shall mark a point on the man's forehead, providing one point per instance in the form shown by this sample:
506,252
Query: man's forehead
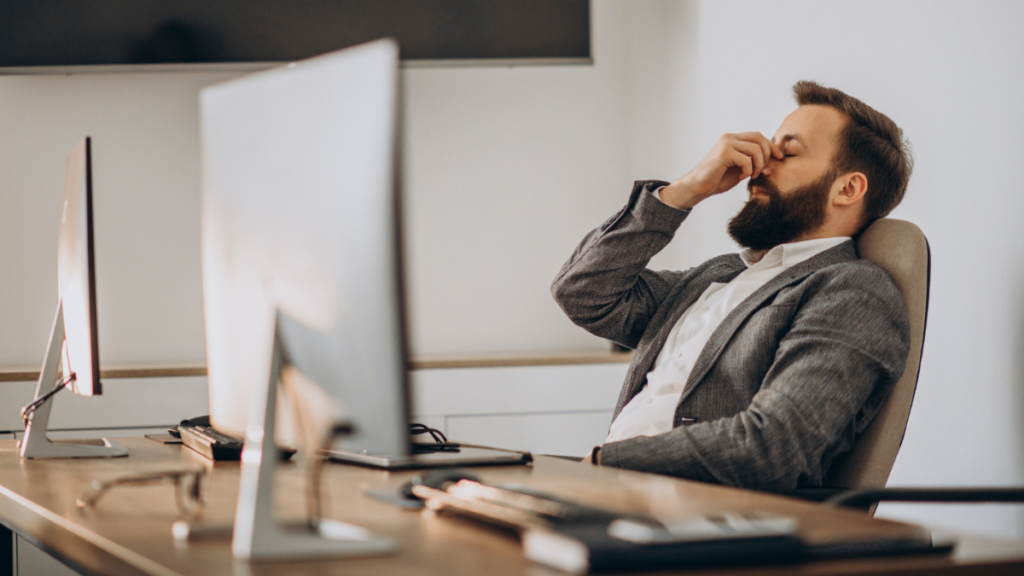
810,125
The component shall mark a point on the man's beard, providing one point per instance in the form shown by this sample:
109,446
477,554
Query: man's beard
763,224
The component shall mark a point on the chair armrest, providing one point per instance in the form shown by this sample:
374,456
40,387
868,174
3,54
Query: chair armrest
865,498
815,494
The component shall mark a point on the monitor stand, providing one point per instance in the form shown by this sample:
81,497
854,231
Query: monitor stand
36,444
257,534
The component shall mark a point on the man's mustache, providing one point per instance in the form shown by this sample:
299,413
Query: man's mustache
764,184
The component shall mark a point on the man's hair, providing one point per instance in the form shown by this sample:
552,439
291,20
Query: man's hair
870,143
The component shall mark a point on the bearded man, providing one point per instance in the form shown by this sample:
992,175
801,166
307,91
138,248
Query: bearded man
755,369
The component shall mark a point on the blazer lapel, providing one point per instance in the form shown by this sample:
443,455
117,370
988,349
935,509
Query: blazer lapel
694,290
721,269
723,334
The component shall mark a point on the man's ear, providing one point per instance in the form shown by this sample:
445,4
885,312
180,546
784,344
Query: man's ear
851,189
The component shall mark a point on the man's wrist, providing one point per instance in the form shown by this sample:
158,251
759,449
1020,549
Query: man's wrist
678,195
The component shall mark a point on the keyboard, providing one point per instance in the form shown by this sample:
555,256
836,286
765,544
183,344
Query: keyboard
198,435
216,445
211,443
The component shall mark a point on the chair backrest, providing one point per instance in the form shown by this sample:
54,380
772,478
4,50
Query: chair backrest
901,249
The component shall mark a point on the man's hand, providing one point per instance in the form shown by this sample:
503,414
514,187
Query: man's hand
734,158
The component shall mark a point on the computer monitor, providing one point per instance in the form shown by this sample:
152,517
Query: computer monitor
302,276
76,274
300,210
74,340
302,269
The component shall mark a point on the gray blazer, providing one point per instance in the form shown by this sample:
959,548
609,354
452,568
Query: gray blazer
788,381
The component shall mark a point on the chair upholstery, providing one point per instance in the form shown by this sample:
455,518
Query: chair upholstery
901,249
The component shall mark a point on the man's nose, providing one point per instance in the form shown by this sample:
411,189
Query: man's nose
769,166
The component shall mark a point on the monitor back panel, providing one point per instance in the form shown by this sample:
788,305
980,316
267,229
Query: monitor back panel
300,216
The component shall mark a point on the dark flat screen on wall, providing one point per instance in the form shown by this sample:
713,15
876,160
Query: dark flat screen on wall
90,32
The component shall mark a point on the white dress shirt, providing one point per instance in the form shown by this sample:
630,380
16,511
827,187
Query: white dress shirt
653,409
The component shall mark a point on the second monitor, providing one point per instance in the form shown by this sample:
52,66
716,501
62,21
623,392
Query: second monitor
302,280
302,222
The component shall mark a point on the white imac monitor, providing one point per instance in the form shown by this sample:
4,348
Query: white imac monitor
76,274
302,278
300,217
302,281
74,339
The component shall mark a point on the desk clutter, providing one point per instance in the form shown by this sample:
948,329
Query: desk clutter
582,539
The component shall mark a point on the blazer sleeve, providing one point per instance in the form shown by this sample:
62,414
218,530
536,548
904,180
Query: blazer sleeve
846,348
605,286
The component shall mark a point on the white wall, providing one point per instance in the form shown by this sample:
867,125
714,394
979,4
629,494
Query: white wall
951,74
146,211
505,170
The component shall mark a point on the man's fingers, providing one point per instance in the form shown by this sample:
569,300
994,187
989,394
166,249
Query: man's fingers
733,158
742,161
755,152
770,148
749,136
757,139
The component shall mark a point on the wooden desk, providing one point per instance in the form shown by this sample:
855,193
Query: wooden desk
129,531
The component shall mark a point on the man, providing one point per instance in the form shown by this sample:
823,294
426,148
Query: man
758,369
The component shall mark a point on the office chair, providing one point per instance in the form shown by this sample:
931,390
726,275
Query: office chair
901,249
858,479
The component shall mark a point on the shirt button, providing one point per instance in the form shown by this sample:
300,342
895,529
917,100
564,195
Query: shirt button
649,400
678,354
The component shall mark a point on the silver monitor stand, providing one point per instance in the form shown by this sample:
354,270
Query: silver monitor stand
257,534
36,444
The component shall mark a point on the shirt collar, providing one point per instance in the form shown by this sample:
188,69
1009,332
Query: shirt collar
787,255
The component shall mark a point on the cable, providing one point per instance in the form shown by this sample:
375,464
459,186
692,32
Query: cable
30,408
415,429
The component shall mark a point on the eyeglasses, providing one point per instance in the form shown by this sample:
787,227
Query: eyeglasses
188,494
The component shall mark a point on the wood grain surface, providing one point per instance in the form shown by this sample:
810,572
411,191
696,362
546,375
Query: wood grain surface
129,531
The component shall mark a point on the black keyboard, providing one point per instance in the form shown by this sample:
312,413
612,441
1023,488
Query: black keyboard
211,443
216,445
